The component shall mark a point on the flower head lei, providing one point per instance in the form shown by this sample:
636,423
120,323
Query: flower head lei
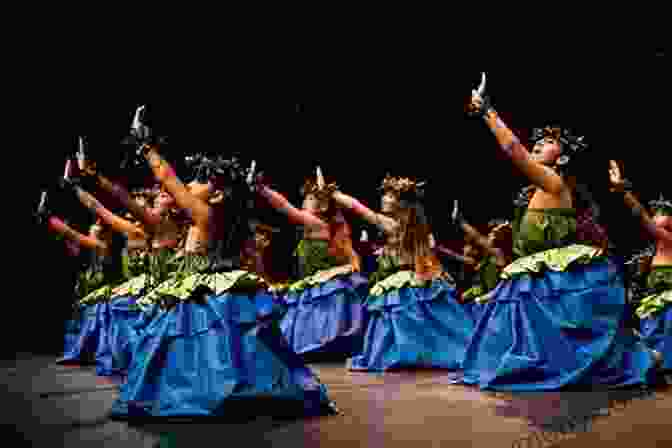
318,187
402,185
570,144
661,205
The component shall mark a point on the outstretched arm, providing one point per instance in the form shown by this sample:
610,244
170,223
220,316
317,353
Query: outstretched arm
638,210
121,194
482,241
540,175
295,215
388,225
164,173
58,226
117,223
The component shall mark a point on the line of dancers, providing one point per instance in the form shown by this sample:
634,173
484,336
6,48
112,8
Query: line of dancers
183,302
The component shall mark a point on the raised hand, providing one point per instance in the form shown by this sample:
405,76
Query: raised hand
456,215
86,167
618,182
480,103
42,213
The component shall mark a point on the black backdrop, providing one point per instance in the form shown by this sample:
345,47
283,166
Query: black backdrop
357,124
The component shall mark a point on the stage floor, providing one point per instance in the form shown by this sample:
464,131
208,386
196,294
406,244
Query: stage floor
48,405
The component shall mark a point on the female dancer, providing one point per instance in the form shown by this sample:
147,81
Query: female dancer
210,351
489,255
106,270
416,319
325,308
653,310
556,319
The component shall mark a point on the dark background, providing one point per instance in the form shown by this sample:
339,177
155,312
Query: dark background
358,121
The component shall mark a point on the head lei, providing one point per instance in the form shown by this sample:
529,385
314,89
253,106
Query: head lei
570,144
318,187
402,186
495,225
661,205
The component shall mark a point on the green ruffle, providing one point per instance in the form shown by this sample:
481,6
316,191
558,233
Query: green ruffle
654,304
558,259
537,230
398,280
182,286
101,294
660,278
132,287
320,277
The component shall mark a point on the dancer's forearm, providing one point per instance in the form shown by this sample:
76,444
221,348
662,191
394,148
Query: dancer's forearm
294,215
387,224
540,175
639,211
58,226
474,235
164,173
117,223
121,194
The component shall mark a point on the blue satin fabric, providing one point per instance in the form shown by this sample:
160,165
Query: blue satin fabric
415,327
202,358
117,319
326,318
82,335
656,332
123,353
474,309
557,329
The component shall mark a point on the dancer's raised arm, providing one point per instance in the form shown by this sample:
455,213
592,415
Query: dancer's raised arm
57,225
533,166
117,223
165,174
619,185
386,224
473,235
295,215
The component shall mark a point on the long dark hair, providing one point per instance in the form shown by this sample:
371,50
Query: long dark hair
230,218
415,231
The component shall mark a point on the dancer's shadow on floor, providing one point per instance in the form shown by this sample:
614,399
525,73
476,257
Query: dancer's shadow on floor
250,422
569,411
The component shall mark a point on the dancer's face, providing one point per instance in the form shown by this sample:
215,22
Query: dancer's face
389,202
311,203
663,220
546,151
261,240
470,251
164,200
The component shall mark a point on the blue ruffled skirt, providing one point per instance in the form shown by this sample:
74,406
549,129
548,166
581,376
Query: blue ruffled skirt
557,329
656,332
214,356
415,327
82,335
474,309
328,318
117,319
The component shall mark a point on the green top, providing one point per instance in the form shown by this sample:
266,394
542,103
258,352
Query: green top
387,265
484,280
547,239
314,256
537,230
